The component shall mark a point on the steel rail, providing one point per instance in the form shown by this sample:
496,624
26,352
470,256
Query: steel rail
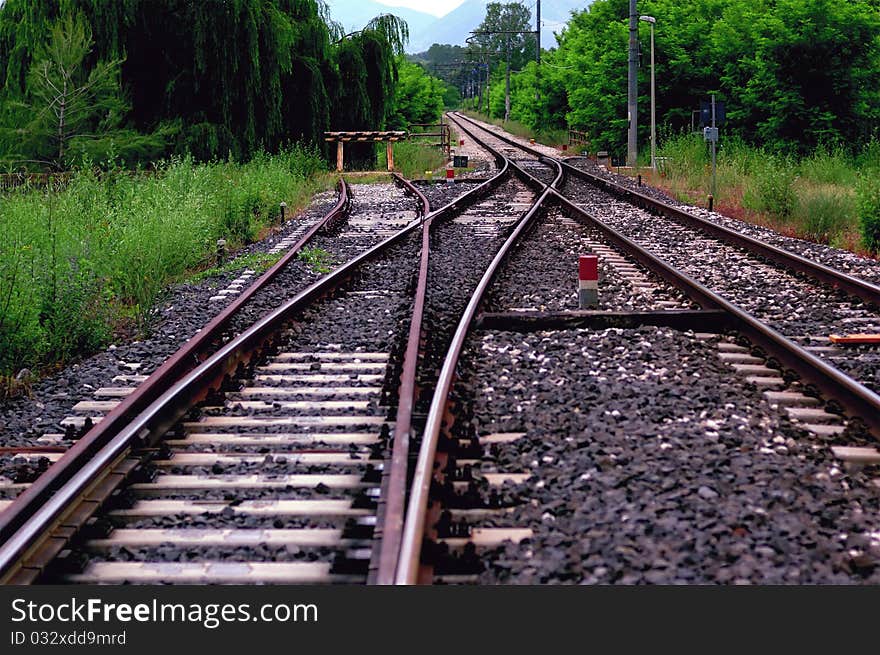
855,398
416,514
27,520
173,403
502,137
862,289
409,187
852,285
392,505
391,508
188,356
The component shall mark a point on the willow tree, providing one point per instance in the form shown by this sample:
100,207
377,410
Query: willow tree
367,65
227,76
233,76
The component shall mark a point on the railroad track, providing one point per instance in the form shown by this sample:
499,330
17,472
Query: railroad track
859,310
113,433
387,447
292,434
464,444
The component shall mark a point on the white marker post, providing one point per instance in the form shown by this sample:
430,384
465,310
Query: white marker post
588,282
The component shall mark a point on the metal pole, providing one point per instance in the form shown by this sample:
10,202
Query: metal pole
488,86
507,84
538,30
653,108
538,53
633,91
713,147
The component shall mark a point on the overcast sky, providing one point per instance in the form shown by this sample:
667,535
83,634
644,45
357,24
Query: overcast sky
434,7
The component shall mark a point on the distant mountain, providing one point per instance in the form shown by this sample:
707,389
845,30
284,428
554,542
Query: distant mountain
354,14
454,27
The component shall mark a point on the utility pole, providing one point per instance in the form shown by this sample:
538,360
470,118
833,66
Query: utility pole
633,94
507,85
538,31
538,53
488,85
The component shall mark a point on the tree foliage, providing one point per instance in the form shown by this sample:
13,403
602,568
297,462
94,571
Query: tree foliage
230,76
418,97
514,19
74,112
793,73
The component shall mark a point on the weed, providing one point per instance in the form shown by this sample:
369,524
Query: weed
259,262
868,193
413,158
772,190
812,198
823,213
317,258
78,261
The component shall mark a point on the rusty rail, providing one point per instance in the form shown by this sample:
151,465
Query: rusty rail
383,564
854,286
390,523
854,397
18,527
37,524
416,514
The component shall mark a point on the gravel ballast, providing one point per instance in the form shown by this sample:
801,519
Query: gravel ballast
843,260
795,306
542,274
651,462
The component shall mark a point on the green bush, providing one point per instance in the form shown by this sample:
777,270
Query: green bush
77,260
824,213
412,158
868,193
772,189
829,166
686,159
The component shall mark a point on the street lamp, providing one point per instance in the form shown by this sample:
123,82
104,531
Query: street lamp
652,20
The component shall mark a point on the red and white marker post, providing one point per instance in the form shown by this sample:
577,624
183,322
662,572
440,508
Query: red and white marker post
588,282
450,174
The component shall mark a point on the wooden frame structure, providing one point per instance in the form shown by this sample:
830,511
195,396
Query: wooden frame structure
578,137
444,135
362,137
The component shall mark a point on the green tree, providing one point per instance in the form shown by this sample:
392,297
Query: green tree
418,97
793,73
74,110
234,76
593,52
505,34
367,66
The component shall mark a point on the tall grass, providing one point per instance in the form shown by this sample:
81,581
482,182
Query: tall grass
77,261
814,198
413,158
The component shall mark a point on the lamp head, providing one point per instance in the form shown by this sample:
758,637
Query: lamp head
648,19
